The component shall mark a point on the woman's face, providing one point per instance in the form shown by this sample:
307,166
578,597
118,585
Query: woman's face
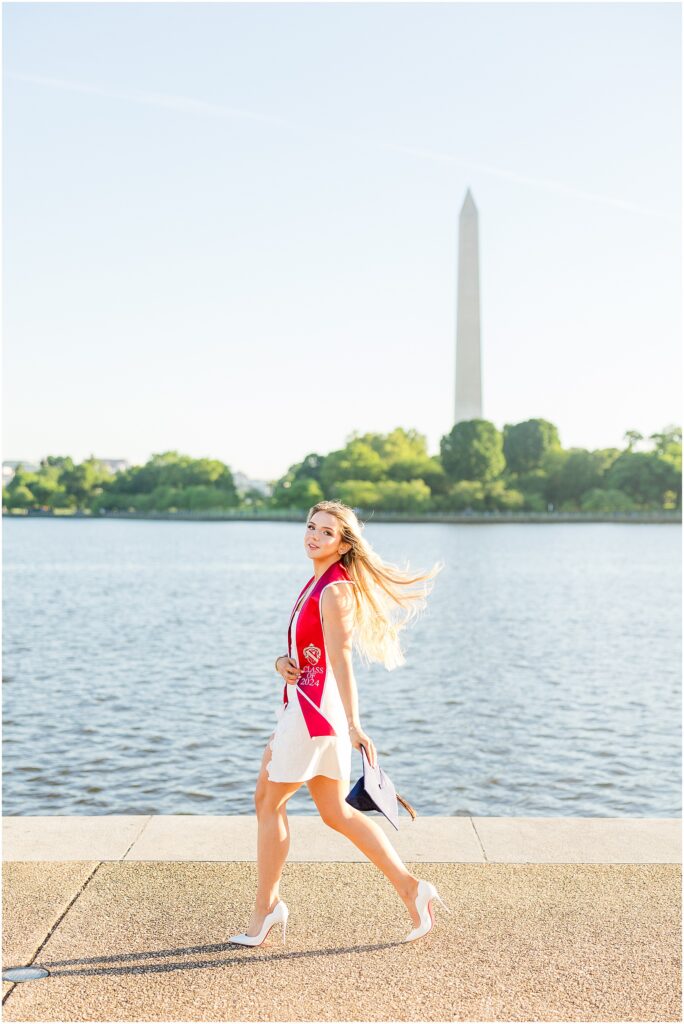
323,537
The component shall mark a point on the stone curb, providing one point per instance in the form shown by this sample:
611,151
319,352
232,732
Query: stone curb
432,839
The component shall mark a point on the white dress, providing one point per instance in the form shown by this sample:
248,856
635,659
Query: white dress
296,756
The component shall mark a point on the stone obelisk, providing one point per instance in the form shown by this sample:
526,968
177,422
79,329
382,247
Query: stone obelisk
468,404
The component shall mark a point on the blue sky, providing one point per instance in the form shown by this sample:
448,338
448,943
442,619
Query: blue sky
231,229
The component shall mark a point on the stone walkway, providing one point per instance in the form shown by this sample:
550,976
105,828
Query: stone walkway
551,919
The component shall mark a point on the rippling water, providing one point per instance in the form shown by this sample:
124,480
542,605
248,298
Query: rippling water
544,678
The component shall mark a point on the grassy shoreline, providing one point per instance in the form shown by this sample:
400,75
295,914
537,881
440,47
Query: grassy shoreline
297,516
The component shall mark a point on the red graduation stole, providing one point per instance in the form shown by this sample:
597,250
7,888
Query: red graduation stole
311,651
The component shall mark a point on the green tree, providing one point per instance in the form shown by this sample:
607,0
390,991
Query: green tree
581,471
644,476
411,468
58,462
309,468
668,440
355,493
290,492
19,491
357,461
48,491
398,445
403,495
162,482
204,497
499,497
163,498
603,500
432,472
19,496
82,482
473,450
552,468
525,444
533,485
462,495
632,437
668,448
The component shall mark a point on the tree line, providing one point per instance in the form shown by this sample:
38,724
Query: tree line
479,467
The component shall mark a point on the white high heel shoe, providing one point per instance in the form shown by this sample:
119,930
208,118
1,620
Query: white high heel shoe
426,894
278,915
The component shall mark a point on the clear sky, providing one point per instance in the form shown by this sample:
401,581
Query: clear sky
231,229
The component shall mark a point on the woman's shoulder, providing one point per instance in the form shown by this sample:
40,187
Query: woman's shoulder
338,597
341,593
338,574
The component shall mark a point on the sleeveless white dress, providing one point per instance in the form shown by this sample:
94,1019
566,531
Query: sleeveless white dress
296,756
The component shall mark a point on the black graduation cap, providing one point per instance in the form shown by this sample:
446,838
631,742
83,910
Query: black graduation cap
375,791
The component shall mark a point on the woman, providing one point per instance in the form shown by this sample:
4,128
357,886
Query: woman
352,596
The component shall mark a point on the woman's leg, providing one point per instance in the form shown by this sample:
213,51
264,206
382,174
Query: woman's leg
273,841
329,797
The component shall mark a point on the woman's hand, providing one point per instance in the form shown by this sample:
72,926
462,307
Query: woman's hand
288,669
359,739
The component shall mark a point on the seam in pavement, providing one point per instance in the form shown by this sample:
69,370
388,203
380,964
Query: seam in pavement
135,840
484,852
71,903
55,925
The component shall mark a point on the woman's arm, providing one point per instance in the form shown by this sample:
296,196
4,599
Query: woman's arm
337,616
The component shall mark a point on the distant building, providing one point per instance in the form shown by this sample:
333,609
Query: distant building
9,468
115,465
243,483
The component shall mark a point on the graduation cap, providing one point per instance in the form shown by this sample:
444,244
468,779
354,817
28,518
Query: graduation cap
374,791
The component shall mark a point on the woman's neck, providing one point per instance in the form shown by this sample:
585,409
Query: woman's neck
318,571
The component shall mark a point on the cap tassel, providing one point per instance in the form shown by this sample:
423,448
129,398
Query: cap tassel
407,805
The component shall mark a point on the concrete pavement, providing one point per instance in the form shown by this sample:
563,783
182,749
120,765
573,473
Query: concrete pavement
551,919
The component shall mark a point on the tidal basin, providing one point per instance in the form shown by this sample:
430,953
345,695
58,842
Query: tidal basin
542,680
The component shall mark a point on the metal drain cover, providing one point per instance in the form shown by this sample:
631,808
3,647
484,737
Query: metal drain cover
24,973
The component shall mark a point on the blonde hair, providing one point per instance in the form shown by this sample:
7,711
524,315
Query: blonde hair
387,598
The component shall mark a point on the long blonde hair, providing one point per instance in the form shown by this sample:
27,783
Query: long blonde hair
387,598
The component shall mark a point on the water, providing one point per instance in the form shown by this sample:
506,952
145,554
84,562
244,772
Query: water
543,679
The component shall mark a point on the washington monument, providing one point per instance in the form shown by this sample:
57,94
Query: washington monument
468,404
